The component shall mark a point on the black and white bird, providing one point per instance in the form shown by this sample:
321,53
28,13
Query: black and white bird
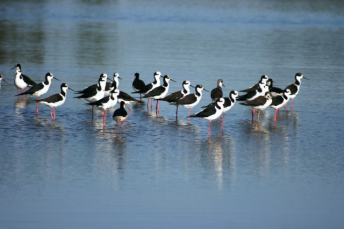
56,100
159,92
93,87
259,103
228,104
217,93
106,102
147,88
41,88
95,94
212,112
263,79
22,81
123,96
279,101
191,100
120,114
138,84
175,96
295,87
2,79
274,91
260,91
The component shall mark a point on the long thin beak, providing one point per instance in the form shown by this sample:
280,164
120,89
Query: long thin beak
192,86
14,67
109,79
173,80
4,80
70,89
205,89
223,85
119,78
305,78
56,78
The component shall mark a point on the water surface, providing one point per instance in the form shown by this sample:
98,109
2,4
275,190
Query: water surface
159,172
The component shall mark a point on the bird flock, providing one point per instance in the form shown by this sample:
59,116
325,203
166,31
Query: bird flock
106,95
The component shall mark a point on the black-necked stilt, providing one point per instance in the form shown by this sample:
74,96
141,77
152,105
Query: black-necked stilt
175,96
151,86
217,93
159,92
295,87
138,84
279,101
123,96
56,100
96,93
110,86
211,112
41,88
106,102
228,104
262,89
263,79
191,100
2,79
22,81
274,91
120,114
93,87
259,103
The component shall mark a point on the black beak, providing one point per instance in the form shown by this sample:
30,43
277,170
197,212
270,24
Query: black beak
56,78
173,80
70,89
205,89
192,86
5,80
305,78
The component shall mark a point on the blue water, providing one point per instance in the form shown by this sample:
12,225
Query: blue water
159,172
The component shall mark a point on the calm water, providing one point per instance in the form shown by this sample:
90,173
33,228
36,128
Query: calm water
159,172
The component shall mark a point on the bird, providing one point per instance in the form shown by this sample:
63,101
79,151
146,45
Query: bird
22,81
106,102
274,91
260,91
279,101
228,104
212,112
191,100
259,103
93,87
159,92
175,96
96,93
138,84
217,92
41,88
295,87
2,79
56,100
120,114
148,87
123,96
263,79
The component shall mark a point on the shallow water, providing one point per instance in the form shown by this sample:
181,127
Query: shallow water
159,172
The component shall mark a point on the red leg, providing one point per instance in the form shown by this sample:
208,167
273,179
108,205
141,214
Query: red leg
129,110
209,127
275,116
51,113
104,117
